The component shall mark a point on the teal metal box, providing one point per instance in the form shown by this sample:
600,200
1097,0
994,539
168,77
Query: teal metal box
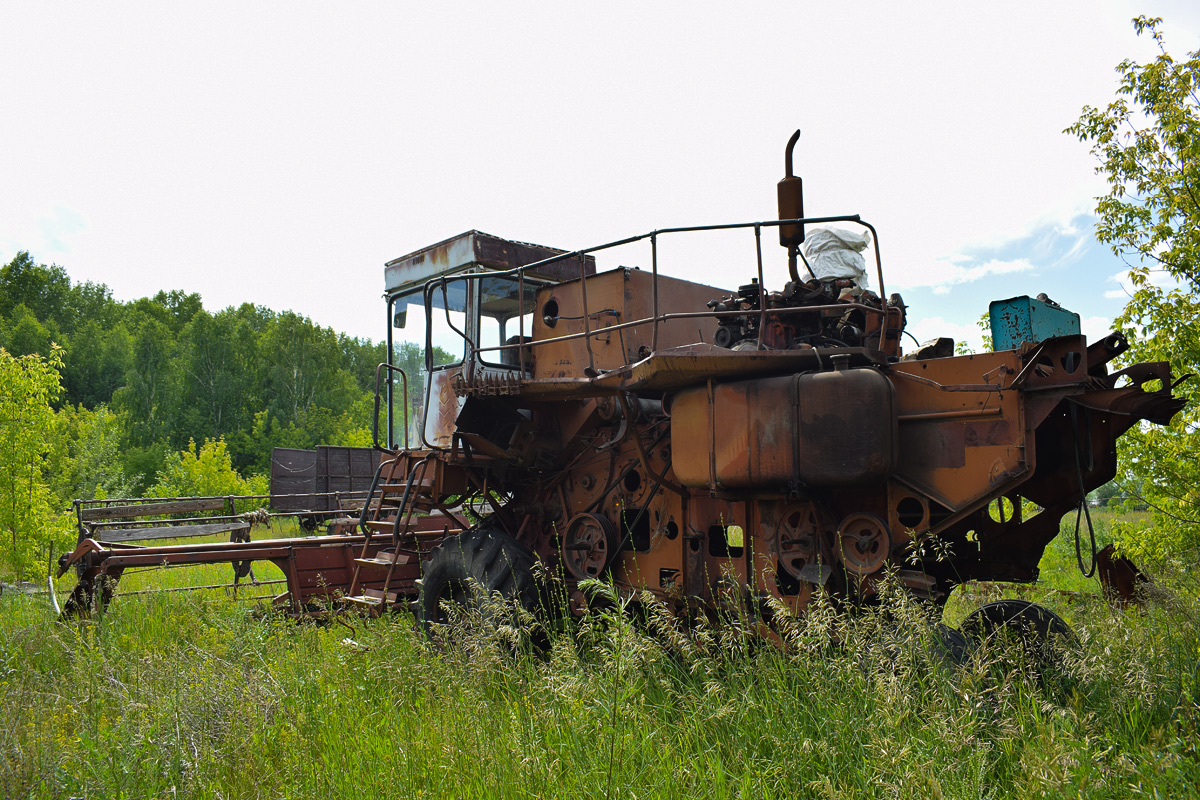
1024,319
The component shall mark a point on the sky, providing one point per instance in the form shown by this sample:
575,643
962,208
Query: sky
281,153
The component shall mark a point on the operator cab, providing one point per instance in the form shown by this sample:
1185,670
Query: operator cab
449,317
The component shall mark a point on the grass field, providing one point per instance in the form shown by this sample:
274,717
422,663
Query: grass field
198,696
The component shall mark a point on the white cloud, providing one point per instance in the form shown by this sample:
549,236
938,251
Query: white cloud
1080,240
1095,328
942,274
1069,229
49,231
1155,277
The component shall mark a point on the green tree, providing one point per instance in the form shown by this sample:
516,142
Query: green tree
86,462
216,364
44,290
96,363
28,387
361,357
180,307
206,471
146,396
1147,141
90,302
26,333
303,363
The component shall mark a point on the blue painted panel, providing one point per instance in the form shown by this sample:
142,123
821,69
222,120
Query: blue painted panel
1026,319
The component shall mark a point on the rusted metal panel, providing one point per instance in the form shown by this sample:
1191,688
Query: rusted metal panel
962,428
1023,319
326,479
681,367
503,254
1120,578
934,445
445,405
474,249
847,434
344,471
614,297
986,434
411,270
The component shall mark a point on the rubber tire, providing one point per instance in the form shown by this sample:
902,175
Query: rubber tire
948,646
483,555
1034,624
1037,628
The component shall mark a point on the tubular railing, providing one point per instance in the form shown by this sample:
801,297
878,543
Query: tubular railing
390,368
656,318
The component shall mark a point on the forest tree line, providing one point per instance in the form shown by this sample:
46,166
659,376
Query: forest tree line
141,397
168,371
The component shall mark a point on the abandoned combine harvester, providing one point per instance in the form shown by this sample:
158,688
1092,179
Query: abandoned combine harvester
701,443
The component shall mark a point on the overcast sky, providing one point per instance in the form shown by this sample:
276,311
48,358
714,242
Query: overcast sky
280,153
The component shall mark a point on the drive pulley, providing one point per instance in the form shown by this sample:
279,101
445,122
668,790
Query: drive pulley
589,544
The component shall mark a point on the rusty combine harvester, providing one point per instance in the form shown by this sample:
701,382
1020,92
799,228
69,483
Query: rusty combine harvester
700,443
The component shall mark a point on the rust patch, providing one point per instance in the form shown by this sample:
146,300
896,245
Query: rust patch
986,434
940,446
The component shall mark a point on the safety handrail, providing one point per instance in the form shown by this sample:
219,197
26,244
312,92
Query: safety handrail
390,368
407,501
656,319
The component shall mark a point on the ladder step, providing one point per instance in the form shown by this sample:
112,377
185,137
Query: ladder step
386,525
363,601
372,599
398,488
382,561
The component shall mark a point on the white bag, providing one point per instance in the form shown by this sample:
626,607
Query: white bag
833,253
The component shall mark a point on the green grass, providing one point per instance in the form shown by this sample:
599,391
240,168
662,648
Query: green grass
197,696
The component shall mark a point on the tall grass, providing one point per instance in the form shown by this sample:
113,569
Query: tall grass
194,696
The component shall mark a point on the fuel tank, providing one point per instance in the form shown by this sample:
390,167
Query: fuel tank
834,428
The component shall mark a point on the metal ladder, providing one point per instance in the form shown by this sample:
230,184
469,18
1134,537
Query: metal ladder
389,509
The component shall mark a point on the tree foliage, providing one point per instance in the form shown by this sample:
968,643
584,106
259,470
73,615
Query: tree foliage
173,372
205,471
142,382
1147,142
85,462
28,519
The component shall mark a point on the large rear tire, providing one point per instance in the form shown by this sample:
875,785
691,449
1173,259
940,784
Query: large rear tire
1040,634
465,570
1034,624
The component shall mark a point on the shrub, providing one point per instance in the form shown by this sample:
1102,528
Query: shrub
205,471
